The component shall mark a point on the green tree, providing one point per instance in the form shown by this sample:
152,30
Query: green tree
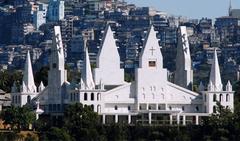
81,122
55,134
18,117
42,76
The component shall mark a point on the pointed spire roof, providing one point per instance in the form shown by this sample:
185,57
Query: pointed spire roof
28,78
108,46
41,87
82,85
151,50
87,72
229,86
215,76
108,61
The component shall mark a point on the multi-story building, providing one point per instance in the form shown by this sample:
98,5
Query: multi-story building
55,10
39,16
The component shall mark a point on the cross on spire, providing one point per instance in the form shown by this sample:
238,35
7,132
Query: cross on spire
152,50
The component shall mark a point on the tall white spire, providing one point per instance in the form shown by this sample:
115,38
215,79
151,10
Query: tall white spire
28,79
57,74
151,55
215,76
108,61
184,72
87,72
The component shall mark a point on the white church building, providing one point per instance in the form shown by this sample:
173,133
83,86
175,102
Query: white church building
150,99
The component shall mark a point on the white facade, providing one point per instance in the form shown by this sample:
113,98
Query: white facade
150,96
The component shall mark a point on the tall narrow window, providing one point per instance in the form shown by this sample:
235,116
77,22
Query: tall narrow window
28,99
92,107
221,98
214,97
183,108
13,99
92,96
116,107
214,109
99,96
85,96
227,97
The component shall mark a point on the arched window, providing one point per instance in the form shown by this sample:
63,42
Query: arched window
116,107
16,99
92,96
170,107
99,96
85,96
19,99
140,107
214,109
99,108
197,108
227,98
227,107
13,99
221,98
71,97
129,108
159,107
92,107
183,108
28,99
214,97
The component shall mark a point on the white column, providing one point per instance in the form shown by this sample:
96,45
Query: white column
147,107
184,120
129,119
197,120
104,118
116,118
150,117
178,119
171,118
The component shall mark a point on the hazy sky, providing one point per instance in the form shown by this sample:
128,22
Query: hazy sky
190,8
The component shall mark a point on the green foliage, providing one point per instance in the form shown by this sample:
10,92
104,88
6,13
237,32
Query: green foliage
18,117
7,79
56,134
81,122
42,76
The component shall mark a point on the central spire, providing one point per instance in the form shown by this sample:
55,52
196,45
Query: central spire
215,76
